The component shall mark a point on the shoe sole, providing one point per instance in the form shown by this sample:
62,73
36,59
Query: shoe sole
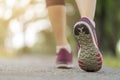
89,56
64,66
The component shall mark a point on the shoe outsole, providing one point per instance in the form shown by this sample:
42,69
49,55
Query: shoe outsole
89,56
64,66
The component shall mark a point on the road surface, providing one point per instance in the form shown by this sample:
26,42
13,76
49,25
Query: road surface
43,68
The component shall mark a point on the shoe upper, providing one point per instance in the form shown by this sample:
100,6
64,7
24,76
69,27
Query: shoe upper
64,57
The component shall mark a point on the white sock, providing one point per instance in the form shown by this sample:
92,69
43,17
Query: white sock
67,47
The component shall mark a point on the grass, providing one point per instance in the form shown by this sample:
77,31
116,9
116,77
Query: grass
111,61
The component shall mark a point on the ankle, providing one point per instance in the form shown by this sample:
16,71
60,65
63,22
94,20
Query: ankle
61,43
66,46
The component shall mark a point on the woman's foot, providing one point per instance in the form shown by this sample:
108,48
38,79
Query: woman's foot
64,57
89,55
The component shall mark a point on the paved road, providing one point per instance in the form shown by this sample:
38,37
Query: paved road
42,68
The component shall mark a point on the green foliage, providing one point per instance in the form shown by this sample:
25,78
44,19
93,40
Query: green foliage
108,22
112,61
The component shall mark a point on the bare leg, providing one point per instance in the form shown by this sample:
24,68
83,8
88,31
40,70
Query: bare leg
57,15
87,8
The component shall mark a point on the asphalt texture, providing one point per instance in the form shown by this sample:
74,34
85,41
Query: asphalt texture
43,68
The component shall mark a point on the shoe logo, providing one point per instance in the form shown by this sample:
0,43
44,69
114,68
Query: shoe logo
80,29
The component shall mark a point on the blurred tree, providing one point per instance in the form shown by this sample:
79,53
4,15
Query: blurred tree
45,43
16,10
107,18
3,26
72,16
4,23
108,22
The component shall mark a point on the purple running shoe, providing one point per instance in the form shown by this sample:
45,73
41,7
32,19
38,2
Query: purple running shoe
64,59
89,55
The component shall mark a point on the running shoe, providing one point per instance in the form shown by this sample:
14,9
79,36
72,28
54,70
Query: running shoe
89,55
64,59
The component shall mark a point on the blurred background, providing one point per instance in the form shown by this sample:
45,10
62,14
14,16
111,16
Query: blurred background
25,28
